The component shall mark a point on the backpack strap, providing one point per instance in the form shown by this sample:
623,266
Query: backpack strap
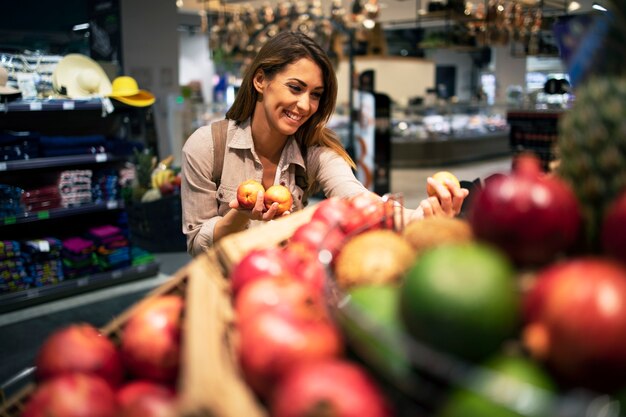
219,131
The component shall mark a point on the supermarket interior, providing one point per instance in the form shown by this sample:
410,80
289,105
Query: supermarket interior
98,98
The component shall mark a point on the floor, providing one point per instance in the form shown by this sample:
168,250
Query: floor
23,330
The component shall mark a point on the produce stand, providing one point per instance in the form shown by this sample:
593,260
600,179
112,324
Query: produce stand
211,382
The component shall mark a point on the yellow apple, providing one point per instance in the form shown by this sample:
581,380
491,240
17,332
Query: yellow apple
247,192
278,194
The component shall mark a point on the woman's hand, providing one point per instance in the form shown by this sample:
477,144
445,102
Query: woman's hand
258,212
447,201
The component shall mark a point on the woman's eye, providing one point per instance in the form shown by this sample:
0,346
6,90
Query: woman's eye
295,87
316,95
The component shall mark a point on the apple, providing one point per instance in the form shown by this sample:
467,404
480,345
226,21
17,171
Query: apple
317,235
133,390
79,348
72,395
247,193
330,387
368,212
333,211
256,263
150,341
303,263
278,194
442,177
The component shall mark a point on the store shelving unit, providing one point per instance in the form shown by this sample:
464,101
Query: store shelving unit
64,117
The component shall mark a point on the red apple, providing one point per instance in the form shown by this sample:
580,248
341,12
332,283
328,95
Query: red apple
369,212
247,193
614,229
317,235
72,395
79,348
256,263
303,263
272,342
133,390
332,387
575,318
278,194
284,294
150,342
332,211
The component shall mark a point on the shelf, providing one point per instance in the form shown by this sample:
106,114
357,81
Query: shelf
58,161
52,105
60,212
20,299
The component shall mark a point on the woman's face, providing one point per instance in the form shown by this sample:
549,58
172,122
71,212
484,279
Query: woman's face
291,97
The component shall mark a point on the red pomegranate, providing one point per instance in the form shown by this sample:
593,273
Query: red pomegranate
575,321
150,342
317,235
532,216
333,387
79,348
72,395
133,390
332,211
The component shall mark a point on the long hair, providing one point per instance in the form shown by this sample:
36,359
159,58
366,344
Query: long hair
279,51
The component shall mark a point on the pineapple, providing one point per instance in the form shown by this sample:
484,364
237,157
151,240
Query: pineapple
592,135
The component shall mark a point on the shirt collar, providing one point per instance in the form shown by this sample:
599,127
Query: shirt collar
242,139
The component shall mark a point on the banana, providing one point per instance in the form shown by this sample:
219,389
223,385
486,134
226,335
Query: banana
162,176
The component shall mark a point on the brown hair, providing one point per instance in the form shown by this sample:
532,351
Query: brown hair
279,51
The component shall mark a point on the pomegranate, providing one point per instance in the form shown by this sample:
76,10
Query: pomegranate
530,215
150,405
575,321
79,348
257,262
333,387
133,390
271,343
150,342
369,212
72,395
614,229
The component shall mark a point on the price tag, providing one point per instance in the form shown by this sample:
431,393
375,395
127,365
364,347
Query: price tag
44,214
101,157
32,293
3,166
112,205
44,245
68,105
36,106
81,282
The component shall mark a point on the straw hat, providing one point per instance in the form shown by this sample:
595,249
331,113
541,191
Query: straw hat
5,90
78,76
126,90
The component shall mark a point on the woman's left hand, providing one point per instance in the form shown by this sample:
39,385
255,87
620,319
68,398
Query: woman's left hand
447,201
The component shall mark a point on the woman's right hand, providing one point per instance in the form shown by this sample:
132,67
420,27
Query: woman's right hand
258,212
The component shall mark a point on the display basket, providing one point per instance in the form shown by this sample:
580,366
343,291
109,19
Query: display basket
209,382
431,374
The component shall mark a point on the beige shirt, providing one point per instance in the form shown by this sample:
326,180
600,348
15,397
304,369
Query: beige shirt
203,205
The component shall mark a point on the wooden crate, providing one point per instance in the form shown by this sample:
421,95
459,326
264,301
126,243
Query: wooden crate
232,248
210,381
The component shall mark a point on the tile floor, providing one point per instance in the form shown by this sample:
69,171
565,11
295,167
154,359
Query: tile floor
22,331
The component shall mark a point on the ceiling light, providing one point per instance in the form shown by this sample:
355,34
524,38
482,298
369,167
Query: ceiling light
573,6
598,6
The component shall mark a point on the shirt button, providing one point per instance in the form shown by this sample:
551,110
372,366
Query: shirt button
282,183
189,226
300,197
221,195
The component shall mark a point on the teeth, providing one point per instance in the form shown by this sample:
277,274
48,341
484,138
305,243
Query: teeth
293,116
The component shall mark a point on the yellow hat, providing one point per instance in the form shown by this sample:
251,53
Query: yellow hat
78,76
126,90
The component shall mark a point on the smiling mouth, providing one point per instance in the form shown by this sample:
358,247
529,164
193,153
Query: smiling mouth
292,116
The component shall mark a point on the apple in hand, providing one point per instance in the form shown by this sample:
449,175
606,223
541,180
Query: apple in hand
247,192
278,194
442,177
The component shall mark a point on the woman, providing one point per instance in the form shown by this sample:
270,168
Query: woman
277,129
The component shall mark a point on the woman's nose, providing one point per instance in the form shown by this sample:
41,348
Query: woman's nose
304,102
